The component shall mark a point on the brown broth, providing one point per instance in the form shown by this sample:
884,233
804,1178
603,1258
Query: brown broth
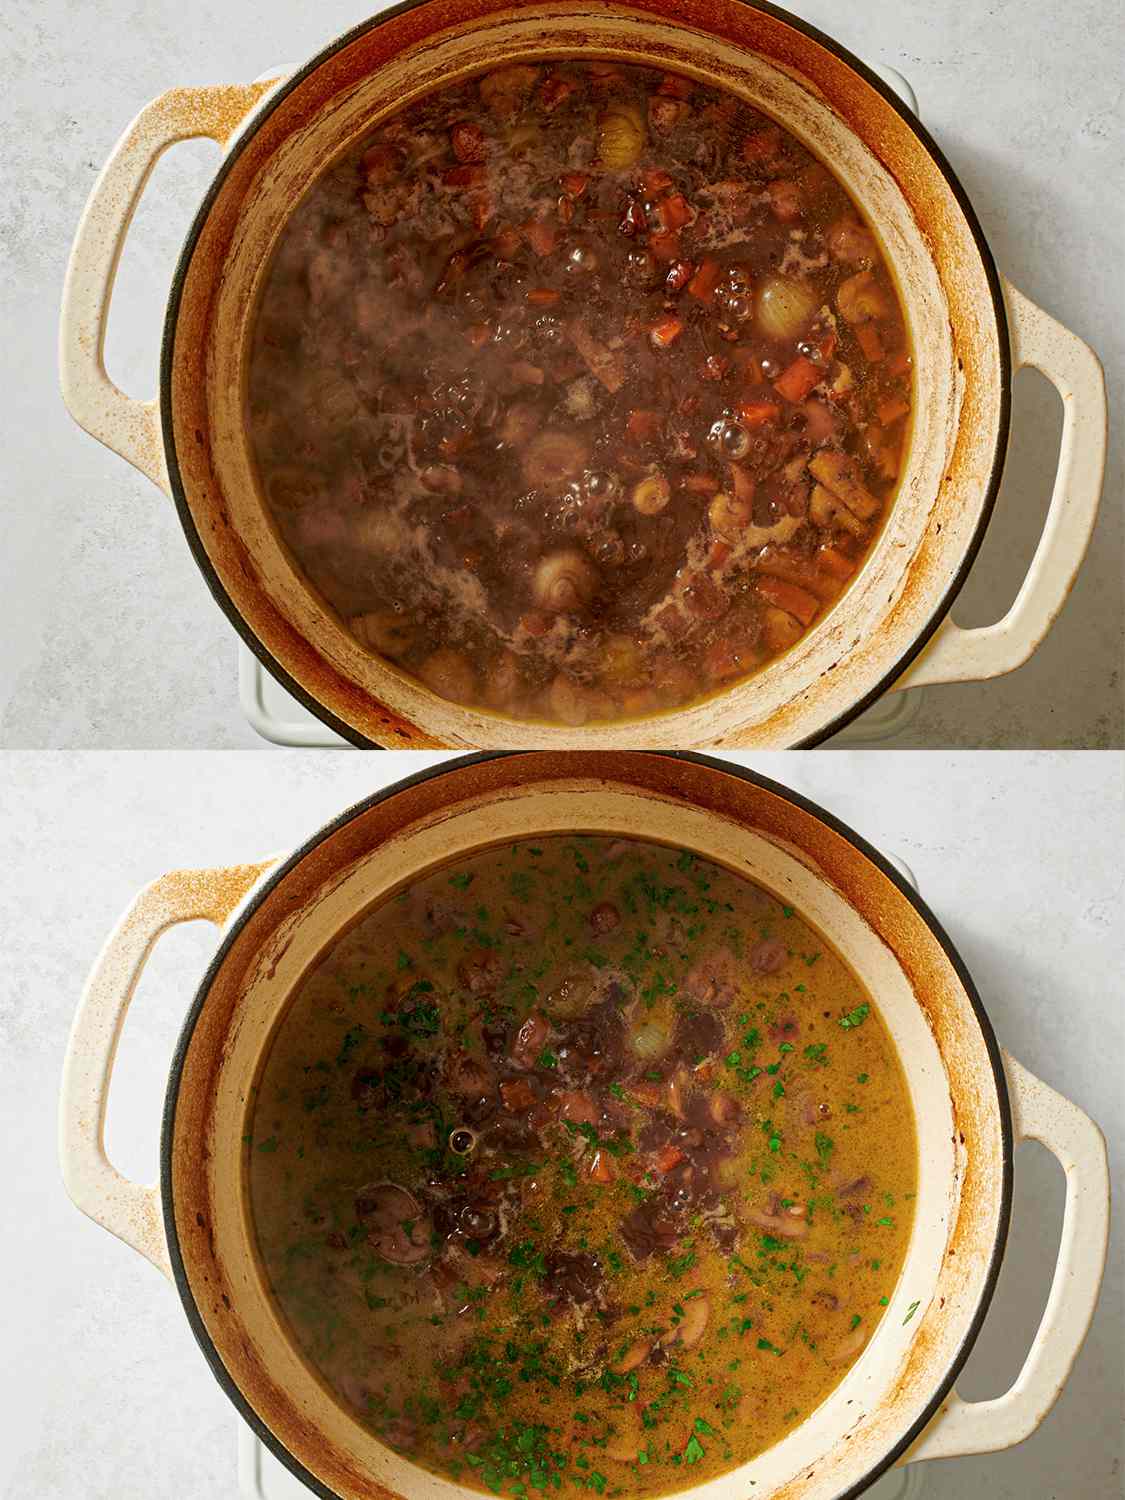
688,1188
579,391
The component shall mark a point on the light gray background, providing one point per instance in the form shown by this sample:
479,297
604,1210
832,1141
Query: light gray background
103,1392
110,637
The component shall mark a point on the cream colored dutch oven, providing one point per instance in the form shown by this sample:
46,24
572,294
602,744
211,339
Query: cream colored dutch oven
970,330
972,1104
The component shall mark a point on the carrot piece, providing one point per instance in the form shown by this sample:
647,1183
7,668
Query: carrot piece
832,560
643,426
574,184
891,408
664,245
700,484
542,296
516,1094
601,1169
702,285
506,242
787,596
900,363
470,174
795,383
867,337
649,1094
655,180
666,332
539,235
669,1157
758,413
762,145
674,211
719,553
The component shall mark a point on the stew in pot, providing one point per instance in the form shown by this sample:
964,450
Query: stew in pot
583,1163
579,391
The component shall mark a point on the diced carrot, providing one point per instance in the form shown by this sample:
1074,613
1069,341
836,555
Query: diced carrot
467,141
655,180
700,484
758,413
721,662
762,145
900,363
795,383
831,560
649,1094
674,211
669,1157
470,174
891,408
539,235
666,332
679,274
826,344
542,296
867,337
565,209
506,242
702,285
719,553
601,1169
478,334
516,1094
785,199
664,245
675,86
643,426
787,596
574,184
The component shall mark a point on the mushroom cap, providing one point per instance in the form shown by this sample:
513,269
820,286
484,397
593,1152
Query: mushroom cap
397,1229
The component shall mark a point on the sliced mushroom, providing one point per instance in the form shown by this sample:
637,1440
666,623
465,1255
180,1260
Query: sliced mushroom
780,1221
383,630
826,511
837,473
530,1041
861,298
848,1347
397,1229
690,1329
449,674
634,1356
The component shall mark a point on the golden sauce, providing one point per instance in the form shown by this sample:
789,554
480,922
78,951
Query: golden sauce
582,1162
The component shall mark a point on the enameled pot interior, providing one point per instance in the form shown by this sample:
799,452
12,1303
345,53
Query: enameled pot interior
883,1393
847,121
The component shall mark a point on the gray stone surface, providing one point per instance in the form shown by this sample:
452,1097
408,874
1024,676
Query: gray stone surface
103,1392
111,638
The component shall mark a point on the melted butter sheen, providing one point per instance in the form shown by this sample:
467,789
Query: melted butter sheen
582,1163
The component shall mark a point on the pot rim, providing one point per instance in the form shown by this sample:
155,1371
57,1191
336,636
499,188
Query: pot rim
258,894
171,318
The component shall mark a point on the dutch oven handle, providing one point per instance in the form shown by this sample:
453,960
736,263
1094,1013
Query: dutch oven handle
125,1208
1039,1114
128,426
1072,367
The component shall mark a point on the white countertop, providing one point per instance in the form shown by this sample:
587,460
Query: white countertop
103,1392
111,638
